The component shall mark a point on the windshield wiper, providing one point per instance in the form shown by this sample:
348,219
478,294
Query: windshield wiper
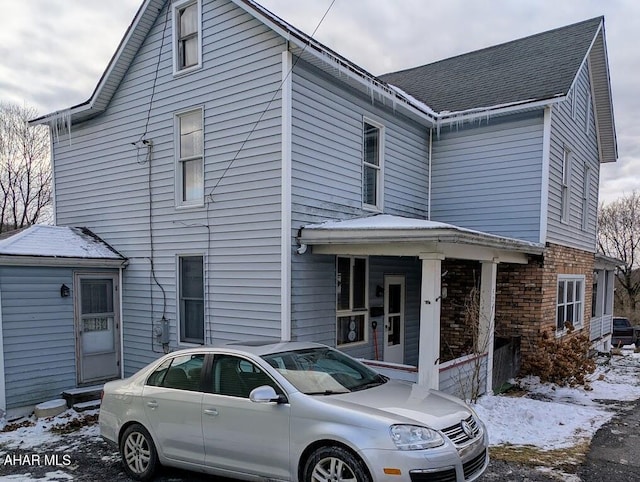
326,392
379,380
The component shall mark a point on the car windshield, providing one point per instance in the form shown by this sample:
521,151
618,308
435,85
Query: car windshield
323,371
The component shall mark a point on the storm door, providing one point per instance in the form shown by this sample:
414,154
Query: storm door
394,319
97,327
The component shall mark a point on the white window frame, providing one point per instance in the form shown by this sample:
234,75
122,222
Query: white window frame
379,201
351,311
179,166
576,303
565,185
586,196
176,8
182,340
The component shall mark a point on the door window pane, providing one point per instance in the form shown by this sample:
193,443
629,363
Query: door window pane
96,296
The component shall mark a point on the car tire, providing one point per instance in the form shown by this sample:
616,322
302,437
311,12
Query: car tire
138,452
334,463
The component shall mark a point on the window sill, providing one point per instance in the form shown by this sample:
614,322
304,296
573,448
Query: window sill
189,207
187,71
352,345
371,209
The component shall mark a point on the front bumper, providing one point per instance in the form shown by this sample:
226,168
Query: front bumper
442,464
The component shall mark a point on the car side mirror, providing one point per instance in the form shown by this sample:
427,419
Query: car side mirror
266,394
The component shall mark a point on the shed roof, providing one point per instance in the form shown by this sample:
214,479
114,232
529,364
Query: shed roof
42,241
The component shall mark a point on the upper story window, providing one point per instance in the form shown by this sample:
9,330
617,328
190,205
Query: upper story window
373,155
570,302
565,195
191,298
190,159
351,300
187,42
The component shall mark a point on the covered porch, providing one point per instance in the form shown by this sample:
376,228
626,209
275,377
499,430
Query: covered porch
430,245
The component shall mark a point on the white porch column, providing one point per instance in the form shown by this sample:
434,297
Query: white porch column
429,348
486,323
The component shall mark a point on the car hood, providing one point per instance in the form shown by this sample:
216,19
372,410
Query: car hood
410,402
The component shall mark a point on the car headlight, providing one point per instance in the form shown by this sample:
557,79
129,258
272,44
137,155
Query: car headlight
414,437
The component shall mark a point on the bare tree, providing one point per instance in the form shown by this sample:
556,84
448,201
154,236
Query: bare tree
25,172
619,237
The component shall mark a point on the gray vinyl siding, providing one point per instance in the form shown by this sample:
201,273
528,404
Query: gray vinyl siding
570,132
488,177
102,181
38,333
327,139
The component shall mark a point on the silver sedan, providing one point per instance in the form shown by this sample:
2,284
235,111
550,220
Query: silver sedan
288,411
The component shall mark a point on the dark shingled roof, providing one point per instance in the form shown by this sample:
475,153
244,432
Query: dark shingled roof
538,67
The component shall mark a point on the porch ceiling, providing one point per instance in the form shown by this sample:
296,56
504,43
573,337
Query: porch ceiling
387,235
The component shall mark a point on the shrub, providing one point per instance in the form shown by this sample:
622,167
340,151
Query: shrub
561,360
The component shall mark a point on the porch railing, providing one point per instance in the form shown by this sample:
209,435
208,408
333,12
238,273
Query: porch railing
601,326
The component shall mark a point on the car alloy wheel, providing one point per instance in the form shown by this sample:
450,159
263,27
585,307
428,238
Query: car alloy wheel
138,453
334,464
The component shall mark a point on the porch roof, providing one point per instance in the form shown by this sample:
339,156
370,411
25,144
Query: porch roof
387,235
58,246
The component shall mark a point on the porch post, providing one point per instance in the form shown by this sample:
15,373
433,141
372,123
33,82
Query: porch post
429,347
486,323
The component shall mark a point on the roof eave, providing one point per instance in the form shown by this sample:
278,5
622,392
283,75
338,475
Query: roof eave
99,98
58,261
327,236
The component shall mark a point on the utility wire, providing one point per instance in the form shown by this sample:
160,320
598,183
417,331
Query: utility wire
266,109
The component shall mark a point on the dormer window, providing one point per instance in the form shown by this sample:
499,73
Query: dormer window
187,52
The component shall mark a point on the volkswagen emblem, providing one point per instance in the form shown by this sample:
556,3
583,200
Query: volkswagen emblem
466,428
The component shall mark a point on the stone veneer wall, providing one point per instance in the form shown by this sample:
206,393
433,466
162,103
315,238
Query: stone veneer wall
526,294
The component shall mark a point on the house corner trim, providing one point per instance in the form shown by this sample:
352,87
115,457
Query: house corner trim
546,168
285,260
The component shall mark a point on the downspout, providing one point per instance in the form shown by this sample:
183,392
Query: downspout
3,394
120,290
429,174
53,178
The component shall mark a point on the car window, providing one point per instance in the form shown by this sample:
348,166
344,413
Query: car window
182,373
323,371
237,377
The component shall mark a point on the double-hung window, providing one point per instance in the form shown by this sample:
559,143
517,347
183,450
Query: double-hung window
565,195
191,298
570,302
351,300
187,49
190,162
373,155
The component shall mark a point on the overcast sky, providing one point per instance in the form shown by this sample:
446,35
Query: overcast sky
53,52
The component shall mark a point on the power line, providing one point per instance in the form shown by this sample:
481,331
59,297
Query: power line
266,109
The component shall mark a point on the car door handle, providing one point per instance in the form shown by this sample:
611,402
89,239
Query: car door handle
211,411
152,404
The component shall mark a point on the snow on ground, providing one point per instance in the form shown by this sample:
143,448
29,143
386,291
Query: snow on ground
552,417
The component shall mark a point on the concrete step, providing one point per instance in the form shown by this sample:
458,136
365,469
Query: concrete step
84,406
75,396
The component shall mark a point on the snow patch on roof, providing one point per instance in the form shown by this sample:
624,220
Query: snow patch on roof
59,242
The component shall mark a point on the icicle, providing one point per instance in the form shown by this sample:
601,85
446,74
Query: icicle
60,124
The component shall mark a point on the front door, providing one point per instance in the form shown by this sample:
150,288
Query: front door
394,319
97,326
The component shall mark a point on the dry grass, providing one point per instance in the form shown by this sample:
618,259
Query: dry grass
566,459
